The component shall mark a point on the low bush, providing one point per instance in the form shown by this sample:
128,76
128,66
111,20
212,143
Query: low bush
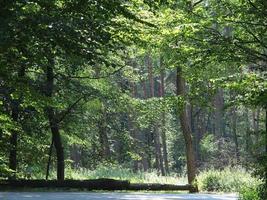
249,193
227,180
121,173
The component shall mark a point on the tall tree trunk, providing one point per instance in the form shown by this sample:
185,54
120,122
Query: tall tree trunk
185,125
145,137
132,128
163,129
75,156
103,137
200,129
49,159
164,145
219,115
234,126
53,120
159,159
158,152
248,140
14,141
256,117
14,135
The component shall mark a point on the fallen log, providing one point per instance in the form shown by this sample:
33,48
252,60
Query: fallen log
95,184
158,187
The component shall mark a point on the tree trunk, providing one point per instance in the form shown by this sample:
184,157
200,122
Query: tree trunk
159,159
248,140
158,152
163,129
184,121
75,156
14,141
234,122
58,144
14,135
103,137
49,160
200,129
145,137
53,120
219,116
256,118
164,145
132,129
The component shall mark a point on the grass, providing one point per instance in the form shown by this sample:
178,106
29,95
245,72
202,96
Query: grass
227,180
120,173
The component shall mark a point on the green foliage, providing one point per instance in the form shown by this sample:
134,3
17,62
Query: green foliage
217,152
227,180
118,172
249,193
4,169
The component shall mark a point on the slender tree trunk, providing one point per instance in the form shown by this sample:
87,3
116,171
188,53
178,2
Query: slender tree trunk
159,159
103,137
163,129
150,75
164,145
256,116
132,127
219,116
185,125
14,141
248,136
234,122
53,121
145,137
14,135
75,156
158,152
200,129
57,142
49,159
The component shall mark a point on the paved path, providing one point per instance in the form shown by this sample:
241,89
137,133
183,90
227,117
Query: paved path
109,196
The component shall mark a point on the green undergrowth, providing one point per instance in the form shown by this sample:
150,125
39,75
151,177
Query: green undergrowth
119,173
212,180
226,180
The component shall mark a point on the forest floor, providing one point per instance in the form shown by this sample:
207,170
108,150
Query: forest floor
111,196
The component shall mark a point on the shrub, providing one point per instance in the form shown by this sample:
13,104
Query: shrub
227,180
249,193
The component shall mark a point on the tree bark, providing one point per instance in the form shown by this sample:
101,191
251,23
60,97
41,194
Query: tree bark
49,160
145,137
248,138
14,141
234,123
158,152
53,120
14,135
103,137
159,158
185,126
219,116
163,129
256,116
